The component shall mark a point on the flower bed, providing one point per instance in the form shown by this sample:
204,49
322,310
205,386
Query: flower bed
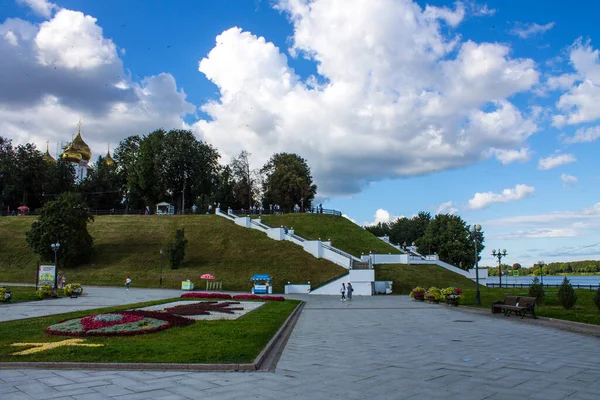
123,323
201,295
207,310
73,289
5,294
418,293
44,291
257,297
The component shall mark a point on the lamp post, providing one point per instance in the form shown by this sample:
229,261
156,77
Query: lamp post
55,248
499,254
161,262
541,264
475,232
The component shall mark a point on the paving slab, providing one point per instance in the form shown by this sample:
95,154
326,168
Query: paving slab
383,347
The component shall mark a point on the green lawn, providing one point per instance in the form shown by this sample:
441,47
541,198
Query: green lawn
584,311
344,234
237,341
129,245
407,277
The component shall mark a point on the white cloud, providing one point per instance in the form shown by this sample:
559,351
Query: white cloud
584,135
484,200
49,85
568,179
509,156
561,82
580,103
481,10
446,208
586,218
411,89
531,29
555,161
382,216
42,8
537,233
74,41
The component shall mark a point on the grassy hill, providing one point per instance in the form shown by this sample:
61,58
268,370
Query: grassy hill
344,234
407,277
129,245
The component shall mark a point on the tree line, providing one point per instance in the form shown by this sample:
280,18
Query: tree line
446,235
554,268
170,166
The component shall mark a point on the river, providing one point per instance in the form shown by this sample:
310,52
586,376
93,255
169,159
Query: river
548,280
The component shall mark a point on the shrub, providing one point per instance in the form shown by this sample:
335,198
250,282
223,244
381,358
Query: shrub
434,294
201,295
176,249
597,298
44,291
566,295
5,294
537,290
418,289
74,289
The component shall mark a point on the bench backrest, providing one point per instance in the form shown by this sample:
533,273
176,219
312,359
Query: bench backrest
526,301
511,300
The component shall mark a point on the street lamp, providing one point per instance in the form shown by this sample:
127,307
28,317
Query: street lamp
541,264
499,254
55,248
475,232
161,262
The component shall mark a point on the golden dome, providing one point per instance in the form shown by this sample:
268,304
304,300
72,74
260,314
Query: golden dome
71,155
81,147
47,157
108,160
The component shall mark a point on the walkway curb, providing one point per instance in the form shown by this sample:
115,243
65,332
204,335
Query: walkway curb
269,352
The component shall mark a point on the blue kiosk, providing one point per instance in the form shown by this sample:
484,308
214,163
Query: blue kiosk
262,284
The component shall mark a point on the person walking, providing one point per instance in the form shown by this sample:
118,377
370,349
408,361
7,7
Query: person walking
350,290
127,282
343,292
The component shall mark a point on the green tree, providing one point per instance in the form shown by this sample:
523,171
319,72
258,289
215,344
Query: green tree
516,266
126,156
449,237
405,230
65,221
537,290
566,294
288,181
246,189
102,187
176,250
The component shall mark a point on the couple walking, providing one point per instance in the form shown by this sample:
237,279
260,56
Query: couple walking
345,289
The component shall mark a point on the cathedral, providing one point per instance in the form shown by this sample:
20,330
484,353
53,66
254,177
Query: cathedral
78,153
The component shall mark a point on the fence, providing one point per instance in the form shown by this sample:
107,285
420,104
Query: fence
549,285
244,212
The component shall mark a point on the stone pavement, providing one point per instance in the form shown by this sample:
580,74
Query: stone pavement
384,347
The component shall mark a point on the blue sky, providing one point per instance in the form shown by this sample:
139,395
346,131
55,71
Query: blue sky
483,109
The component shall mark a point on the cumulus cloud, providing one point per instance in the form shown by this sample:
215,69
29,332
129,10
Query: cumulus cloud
42,8
484,200
583,135
568,179
446,208
579,103
481,10
588,217
510,156
555,161
63,70
414,99
531,29
382,216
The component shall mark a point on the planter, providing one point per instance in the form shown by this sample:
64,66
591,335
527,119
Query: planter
419,296
452,301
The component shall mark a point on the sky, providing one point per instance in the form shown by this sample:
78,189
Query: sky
486,110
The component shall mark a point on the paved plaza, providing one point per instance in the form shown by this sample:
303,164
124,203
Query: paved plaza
384,347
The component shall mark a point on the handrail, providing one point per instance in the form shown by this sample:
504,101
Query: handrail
343,253
550,285
299,238
260,224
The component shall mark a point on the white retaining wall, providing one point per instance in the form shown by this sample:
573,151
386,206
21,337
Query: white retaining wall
334,257
276,233
297,288
361,279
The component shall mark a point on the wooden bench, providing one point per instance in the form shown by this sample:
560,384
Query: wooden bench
519,305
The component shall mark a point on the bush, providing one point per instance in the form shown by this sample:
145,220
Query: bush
74,289
176,249
566,295
44,291
597,298
537,290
